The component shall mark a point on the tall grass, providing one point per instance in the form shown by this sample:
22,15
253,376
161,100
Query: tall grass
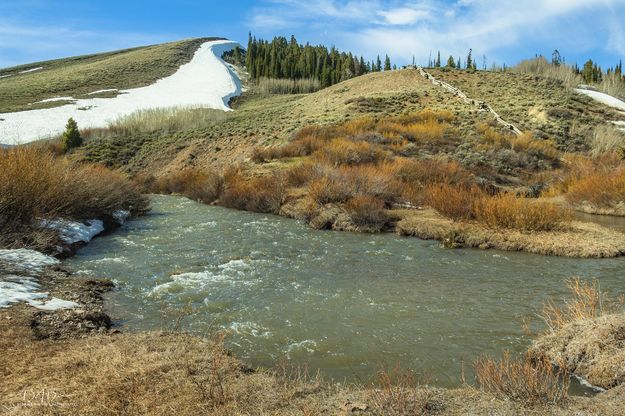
524,380
397,393
606,139
35,184
540,66
587,302
287,86
165,120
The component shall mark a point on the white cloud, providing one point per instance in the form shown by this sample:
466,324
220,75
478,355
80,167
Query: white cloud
404,16
405,28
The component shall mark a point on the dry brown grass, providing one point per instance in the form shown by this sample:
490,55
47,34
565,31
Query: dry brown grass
525,143
605,140
524,380
201,185
286,86
142,374
35,184
397,393
587,302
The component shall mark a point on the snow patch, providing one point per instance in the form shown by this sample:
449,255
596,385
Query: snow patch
31,70
27,261
603,98
206,81
74,232
15,288
5,76
51,100
54,304
101,91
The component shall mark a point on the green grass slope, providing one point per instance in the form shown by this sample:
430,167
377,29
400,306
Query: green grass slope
542,105
77,76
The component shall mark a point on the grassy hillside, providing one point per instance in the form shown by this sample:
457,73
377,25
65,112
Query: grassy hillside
545,106
78,76
269,119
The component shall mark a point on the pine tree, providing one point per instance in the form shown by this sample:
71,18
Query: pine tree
378,64
71,137
387,63
438,60
556,59
459,64
469,60
450,62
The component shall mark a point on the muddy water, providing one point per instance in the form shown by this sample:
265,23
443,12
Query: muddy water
340,302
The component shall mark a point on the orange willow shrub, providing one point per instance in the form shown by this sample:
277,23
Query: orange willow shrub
257,194
509,211
368,211
346,152
36,184
603,189
453,201
462,202
200,185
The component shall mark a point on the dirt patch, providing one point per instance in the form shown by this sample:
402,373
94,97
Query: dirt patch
593,349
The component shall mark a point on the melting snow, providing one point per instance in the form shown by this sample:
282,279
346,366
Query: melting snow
21,284
27,260
603,98
101,91
73,232
203,82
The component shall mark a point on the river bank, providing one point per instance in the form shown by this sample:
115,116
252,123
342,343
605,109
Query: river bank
61,362
110,373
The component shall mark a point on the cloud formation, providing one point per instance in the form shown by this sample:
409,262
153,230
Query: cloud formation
503,30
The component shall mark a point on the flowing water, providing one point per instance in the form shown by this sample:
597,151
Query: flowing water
343,303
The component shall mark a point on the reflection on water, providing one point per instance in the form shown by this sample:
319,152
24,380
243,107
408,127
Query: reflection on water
341,302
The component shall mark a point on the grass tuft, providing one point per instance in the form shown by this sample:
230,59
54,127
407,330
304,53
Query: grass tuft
524,380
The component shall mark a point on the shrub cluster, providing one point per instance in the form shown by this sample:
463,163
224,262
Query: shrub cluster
257,194
390,134
602,189
35,185
505,210
201,185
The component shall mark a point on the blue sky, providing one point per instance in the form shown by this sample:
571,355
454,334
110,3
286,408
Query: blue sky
503,31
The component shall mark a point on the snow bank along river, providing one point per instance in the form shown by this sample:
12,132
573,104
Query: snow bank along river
343,303
206,81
